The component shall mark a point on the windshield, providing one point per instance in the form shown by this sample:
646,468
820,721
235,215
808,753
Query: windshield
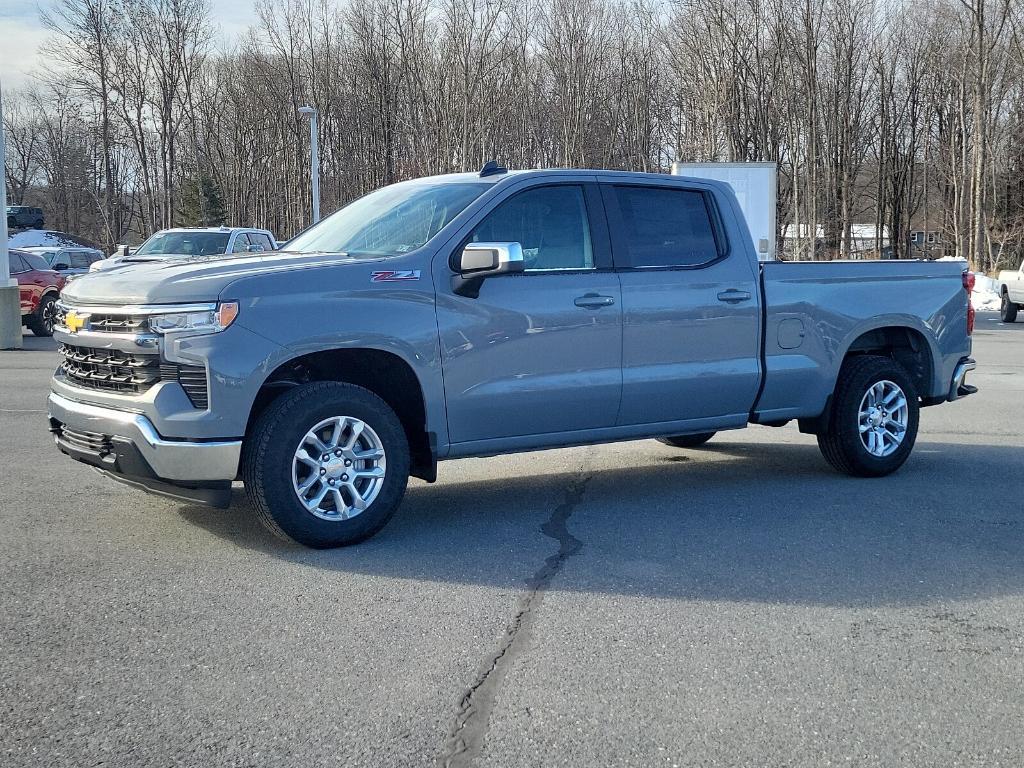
185,243
392,220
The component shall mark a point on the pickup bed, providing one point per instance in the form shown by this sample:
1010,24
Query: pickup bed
1011,293
470,315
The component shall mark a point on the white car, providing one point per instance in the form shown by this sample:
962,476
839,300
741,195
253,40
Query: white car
190,242
1011,293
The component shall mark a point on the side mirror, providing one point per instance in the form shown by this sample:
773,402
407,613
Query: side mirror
478,261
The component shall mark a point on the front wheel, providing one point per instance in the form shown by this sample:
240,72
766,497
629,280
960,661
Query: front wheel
326,464
874,418
42,320
687,441
1007,309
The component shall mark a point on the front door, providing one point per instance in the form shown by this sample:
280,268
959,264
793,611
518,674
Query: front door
691,320
539,352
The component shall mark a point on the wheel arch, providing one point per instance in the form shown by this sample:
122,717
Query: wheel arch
903,341
382,371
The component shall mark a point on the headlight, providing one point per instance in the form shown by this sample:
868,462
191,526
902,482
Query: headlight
196,320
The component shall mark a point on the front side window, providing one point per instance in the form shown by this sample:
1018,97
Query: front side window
391,221
666,227
256,238
550,223
241,244
184,244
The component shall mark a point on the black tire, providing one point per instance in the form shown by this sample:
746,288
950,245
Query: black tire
687,441
268,452
41,321
1007,309
842,446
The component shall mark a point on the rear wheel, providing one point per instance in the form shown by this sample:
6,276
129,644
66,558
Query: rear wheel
687,441
874,418
326,464
1007,309
42,320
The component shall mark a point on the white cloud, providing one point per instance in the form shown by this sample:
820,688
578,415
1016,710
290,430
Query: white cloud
23,40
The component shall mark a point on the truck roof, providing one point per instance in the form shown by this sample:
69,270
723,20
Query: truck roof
213,229
497,177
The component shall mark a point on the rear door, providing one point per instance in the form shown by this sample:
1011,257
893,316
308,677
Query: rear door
539,352
691,321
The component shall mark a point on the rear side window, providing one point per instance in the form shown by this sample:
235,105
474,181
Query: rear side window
17,265
79,259
666,227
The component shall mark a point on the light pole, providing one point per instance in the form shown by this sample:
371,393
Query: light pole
314,158
10,301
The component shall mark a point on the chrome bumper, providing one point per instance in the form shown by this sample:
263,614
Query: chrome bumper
958,388
175,460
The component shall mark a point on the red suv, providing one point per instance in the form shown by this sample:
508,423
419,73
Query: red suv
39,288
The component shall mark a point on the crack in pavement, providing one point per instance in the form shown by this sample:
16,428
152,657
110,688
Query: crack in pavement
466,737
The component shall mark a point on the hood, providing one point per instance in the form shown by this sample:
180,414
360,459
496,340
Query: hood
195,279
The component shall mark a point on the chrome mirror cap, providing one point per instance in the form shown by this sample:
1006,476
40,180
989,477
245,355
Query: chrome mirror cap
491,257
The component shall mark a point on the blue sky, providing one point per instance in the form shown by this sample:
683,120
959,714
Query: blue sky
23,39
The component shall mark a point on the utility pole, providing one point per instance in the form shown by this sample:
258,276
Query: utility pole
10,301
314,158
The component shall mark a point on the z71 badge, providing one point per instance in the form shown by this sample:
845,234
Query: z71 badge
394,276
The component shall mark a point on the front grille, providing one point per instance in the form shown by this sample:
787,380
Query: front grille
118,323
109,369
105,321
192,379
91,442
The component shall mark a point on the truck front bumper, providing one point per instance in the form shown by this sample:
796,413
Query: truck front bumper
126,447
958,387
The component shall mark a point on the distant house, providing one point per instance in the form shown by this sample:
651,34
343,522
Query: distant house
926,243
863,244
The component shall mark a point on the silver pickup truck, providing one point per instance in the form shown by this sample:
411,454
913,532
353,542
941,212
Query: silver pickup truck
478,314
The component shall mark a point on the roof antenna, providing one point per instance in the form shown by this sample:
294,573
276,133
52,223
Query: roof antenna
491,168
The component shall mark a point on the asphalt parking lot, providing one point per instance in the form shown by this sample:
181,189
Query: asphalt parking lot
629,604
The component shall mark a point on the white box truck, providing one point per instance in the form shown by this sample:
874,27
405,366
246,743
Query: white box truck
756,186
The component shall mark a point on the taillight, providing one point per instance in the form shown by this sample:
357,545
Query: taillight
968,279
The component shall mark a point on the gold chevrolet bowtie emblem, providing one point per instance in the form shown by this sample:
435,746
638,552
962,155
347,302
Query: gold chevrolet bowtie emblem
74,322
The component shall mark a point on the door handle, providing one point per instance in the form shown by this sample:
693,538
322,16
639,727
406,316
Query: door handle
732,296
593,301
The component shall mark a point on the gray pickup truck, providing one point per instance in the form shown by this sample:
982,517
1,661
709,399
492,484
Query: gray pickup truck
479,314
